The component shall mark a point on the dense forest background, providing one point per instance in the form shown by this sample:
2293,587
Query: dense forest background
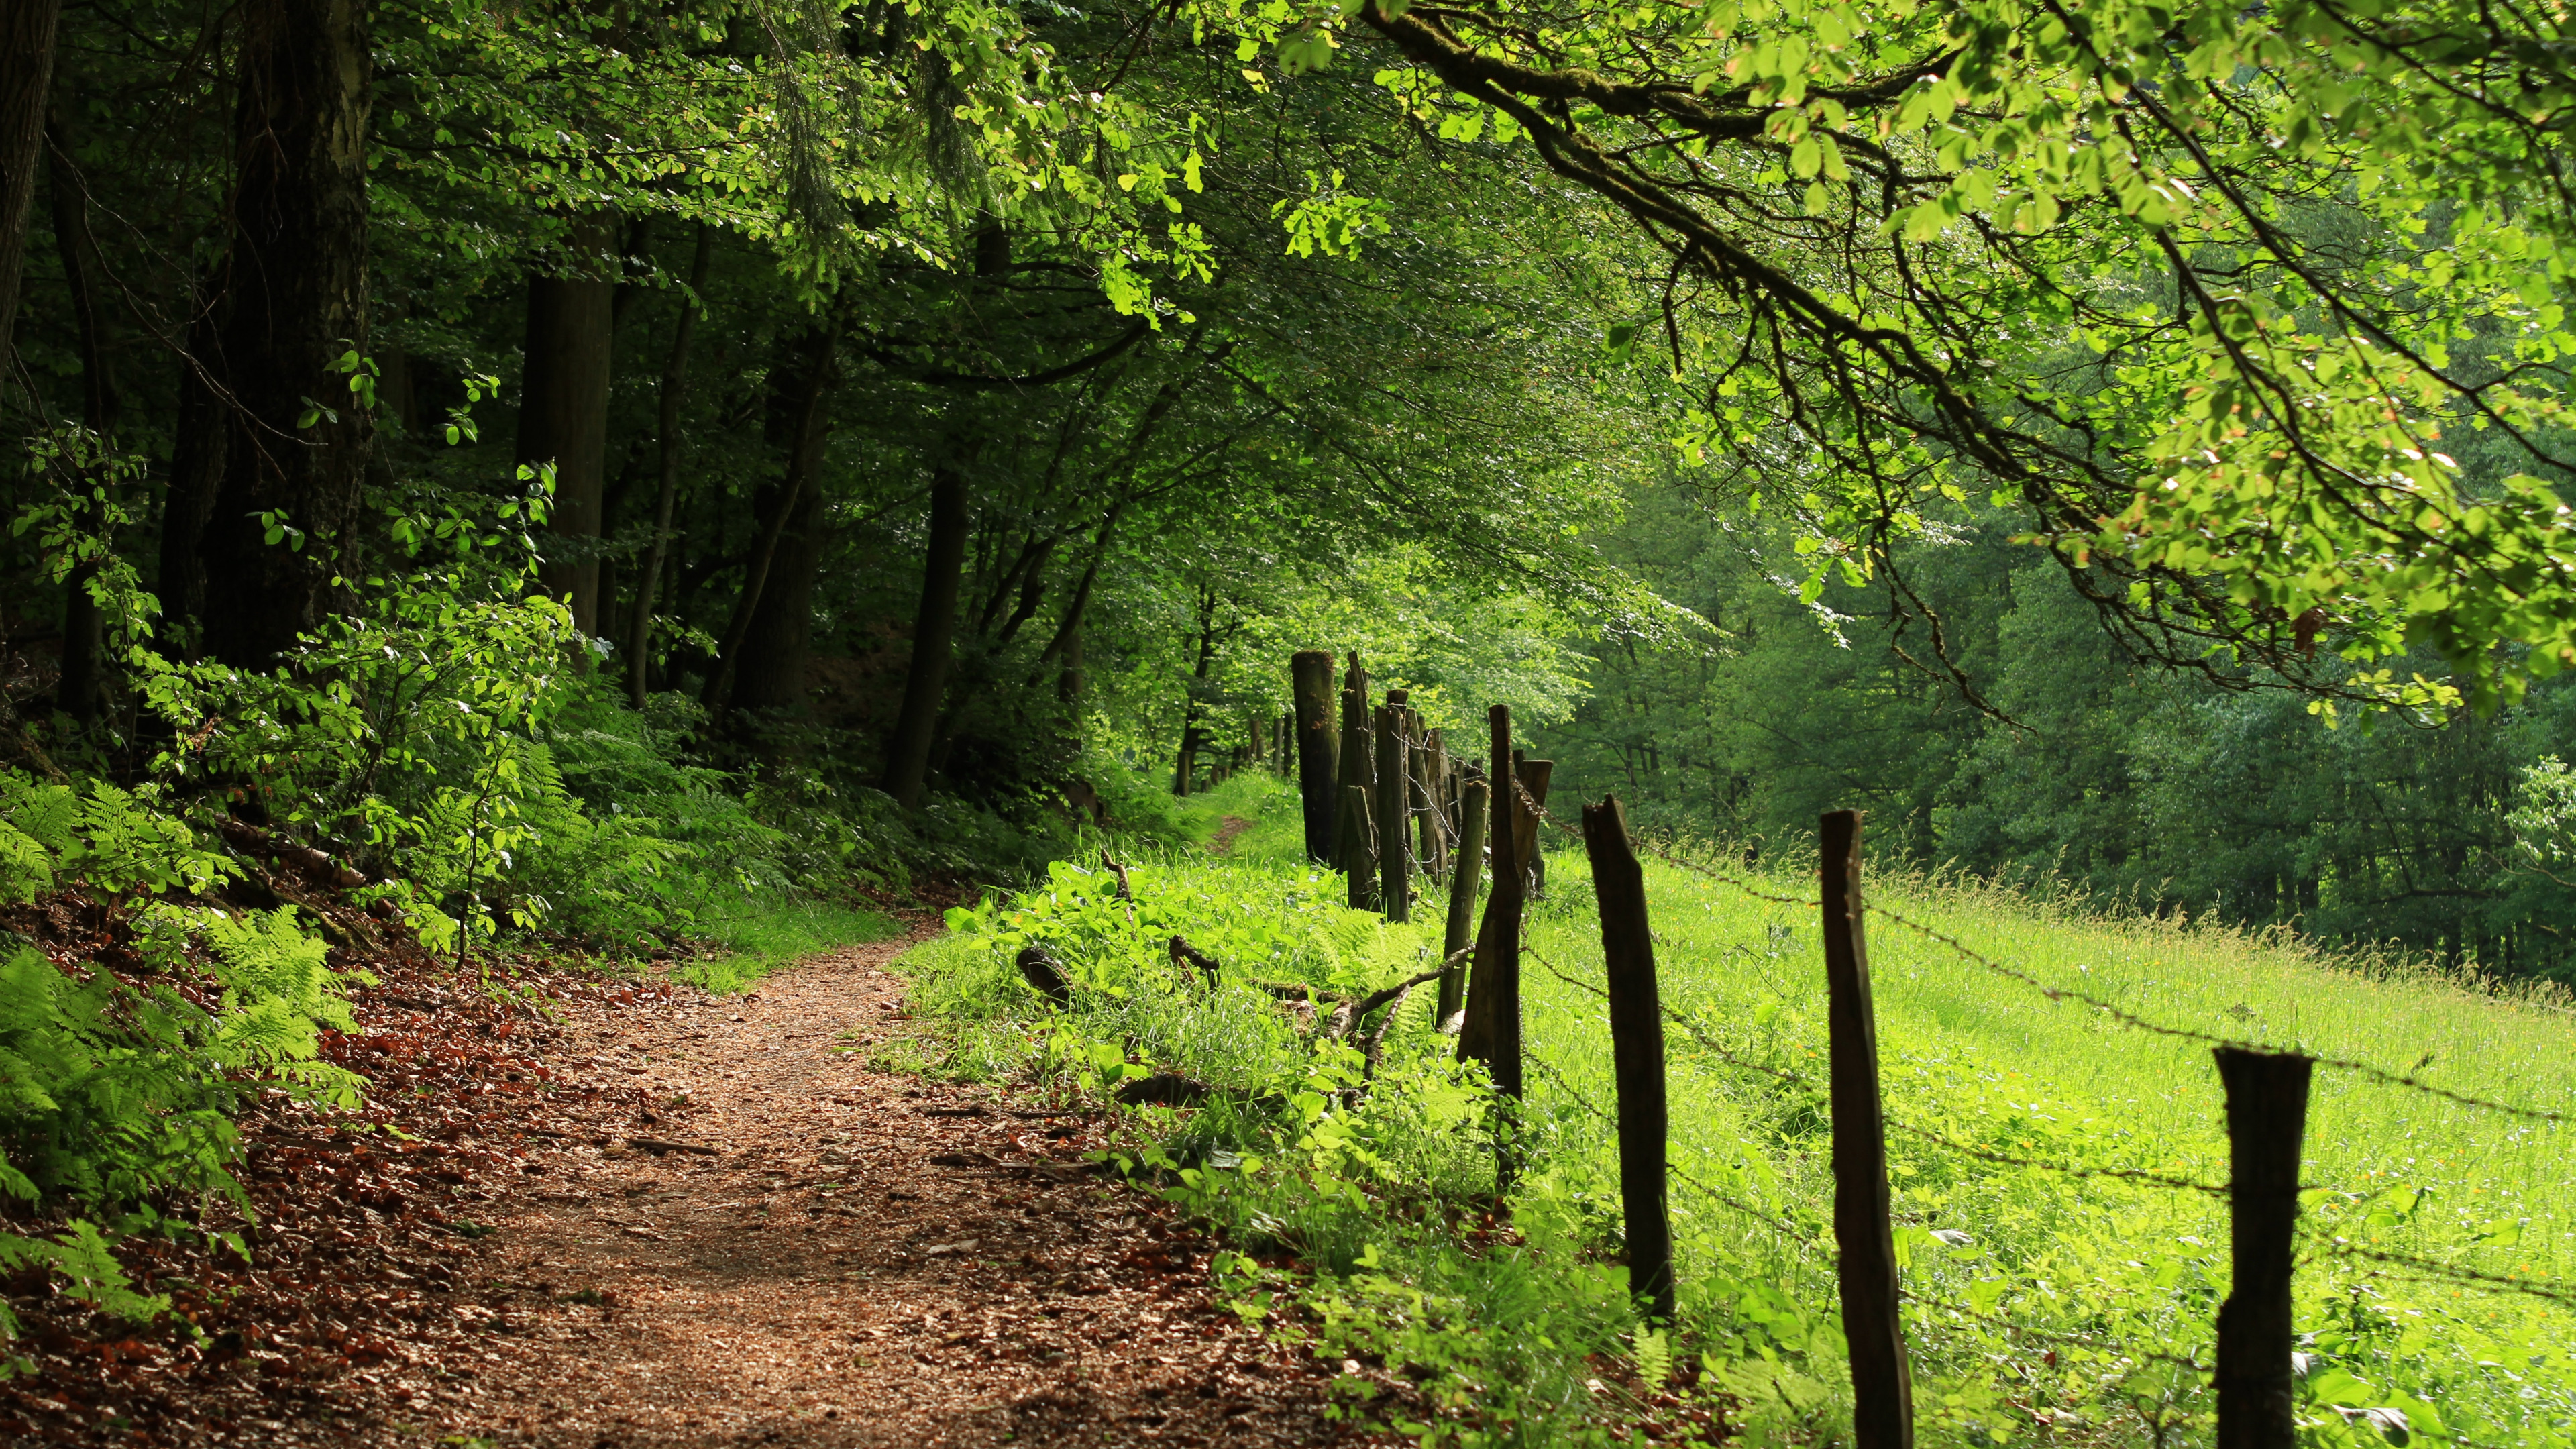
932,427
2061,762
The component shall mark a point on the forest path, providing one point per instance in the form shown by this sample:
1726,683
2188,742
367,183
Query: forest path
1226,830
867,1259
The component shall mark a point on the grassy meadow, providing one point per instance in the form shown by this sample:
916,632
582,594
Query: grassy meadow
2044,1306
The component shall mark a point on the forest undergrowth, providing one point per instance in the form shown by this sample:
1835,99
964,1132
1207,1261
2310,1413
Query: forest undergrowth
2062,1259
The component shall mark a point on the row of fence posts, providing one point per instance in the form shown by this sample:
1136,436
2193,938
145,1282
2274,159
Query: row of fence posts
1361,771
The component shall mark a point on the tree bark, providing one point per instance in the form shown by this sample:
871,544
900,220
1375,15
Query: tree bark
563,406
772,673
26,84
803,429
1032,590
196,473
1196,703
295,301
934,636
1068,629
934,621
83,684
639,641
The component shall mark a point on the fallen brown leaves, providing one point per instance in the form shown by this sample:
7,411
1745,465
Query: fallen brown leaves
587,1212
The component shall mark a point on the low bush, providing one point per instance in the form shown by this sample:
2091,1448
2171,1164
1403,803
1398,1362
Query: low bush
2049,1297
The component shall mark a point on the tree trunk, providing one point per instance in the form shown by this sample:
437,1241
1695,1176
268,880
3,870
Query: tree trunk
26,83
934,634
802,430
1067,639
639,640
1191,734
196,473
1068,678
83,685
1032,590
295,302
772,673
934,622
563,407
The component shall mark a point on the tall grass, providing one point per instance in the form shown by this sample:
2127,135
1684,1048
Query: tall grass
2044,1305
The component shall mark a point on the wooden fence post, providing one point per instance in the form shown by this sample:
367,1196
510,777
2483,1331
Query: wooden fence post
1882,1384
1430,765
1469,869
1356,849
1319,752
1534,776
1394,812
2267,1111
1636,1051
1359,858
1492,1031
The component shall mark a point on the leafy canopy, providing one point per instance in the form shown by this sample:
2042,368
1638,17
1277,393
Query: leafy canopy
2251,314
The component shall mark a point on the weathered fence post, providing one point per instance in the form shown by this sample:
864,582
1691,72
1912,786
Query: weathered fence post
1319,752
2267,1111
1394,811
1882,1385
1636,1052
1356,850
1492,1031
1534,776
1359,858
1470,867
1430,763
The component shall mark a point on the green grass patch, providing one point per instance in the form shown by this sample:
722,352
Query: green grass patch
2043,1305
763,935
1268,803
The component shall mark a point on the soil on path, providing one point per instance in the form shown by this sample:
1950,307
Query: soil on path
592,1213
1226,830
870,1259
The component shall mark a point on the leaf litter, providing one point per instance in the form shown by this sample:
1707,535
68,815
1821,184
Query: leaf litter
593,1212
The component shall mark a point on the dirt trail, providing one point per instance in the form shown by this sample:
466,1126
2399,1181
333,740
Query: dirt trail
868,1259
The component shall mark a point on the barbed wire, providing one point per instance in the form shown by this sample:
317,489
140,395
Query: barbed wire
2367,1070
1638,842
1676,1018
2046,1336
2130,1174
1790,1227
1778,1222
2131,1019
2450,1273
2133,1174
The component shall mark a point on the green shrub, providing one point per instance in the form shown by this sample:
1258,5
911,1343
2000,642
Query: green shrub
116,1093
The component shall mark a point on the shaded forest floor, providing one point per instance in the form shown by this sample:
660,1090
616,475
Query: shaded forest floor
609,1214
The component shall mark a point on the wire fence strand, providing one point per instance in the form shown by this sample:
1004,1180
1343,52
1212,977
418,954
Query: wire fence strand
2131,1174
1777,1222
2452,1273
2368,1071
